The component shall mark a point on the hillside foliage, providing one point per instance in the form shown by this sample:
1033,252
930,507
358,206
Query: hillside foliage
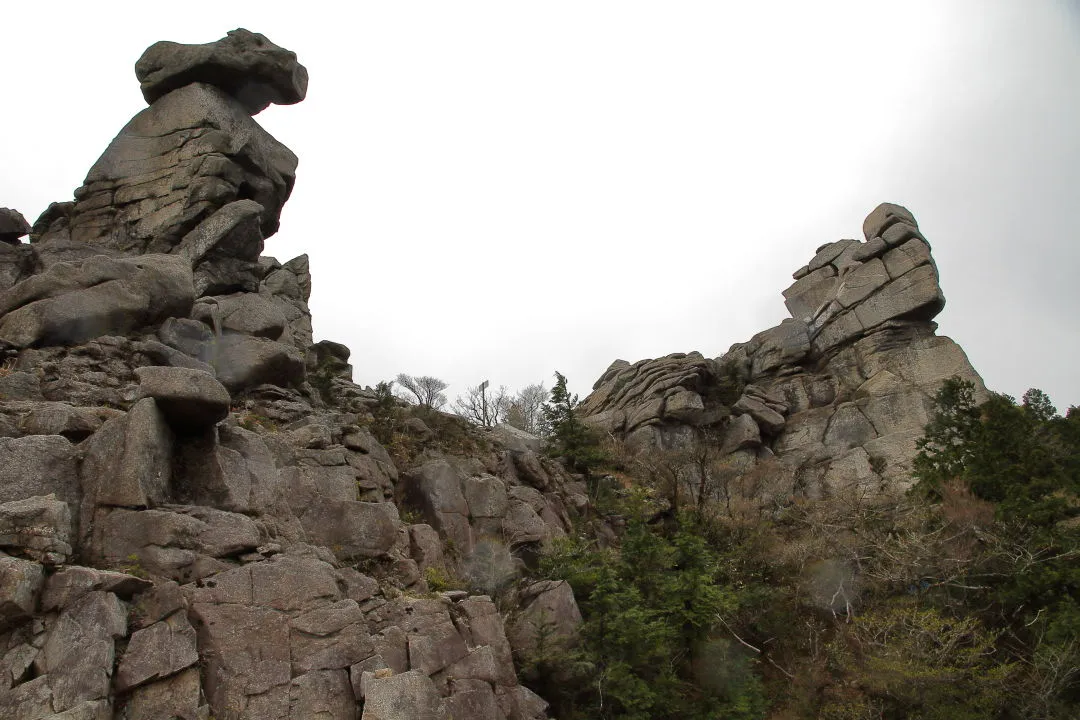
956,600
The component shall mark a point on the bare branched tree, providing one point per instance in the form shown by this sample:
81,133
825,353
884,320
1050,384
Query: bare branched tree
524,408
427,391
483,406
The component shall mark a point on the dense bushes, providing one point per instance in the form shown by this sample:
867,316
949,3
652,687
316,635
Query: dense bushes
647,648
958,600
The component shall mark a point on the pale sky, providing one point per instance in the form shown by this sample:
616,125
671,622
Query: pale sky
500,190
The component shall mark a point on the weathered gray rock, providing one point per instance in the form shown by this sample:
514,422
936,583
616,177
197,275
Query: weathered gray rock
70,583
548,607
244,64
190,400
128,462
521,703
12,226
224,248
21,582
247,662
323,694
407,696
435,488
242,362
485,496
883,216
289,287
28,701
70,303
17,262
630,396
351,528
79,651
332,637
244,313
158,651
178,543
193,152
478,703
767,418
523,522
38,465
236,473
425,546
285,583
485,628
742,433
830,253
190,337
38,528
58,418
178,696
433,638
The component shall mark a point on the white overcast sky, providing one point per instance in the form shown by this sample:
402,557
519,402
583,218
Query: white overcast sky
500,190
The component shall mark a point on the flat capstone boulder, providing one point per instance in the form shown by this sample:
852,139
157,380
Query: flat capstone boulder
189,399
12,226
244,64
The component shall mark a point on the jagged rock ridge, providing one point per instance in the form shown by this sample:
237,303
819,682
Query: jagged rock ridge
195,517
838,393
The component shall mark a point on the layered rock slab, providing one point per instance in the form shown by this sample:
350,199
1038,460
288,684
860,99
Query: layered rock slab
838,393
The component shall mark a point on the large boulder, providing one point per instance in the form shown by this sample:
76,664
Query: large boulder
243,361
21,582
189,155
408,696
38,465
162,649
38,528
79,653
12,226
244,64
71,303
548,610
190,400
128,463
649,392
435,488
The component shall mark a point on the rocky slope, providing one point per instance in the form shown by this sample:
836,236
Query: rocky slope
196,518
202,516
834,397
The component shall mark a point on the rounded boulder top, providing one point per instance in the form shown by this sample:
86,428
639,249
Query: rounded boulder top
244,64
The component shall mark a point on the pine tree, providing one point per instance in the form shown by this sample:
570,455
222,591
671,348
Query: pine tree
568,436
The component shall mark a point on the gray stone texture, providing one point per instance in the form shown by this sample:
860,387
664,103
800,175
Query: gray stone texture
190,400
70,303
38,528
841,390
12,226
407,696
244,64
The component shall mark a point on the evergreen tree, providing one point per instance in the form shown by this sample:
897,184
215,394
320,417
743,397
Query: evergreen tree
568,436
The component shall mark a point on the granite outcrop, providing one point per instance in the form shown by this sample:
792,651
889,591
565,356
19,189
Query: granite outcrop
197,518
837,394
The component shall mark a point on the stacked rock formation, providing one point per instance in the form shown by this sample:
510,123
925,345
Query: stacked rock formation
195,519
838,393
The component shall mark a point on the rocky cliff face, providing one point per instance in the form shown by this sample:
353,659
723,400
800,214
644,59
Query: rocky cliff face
836,395
196,518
